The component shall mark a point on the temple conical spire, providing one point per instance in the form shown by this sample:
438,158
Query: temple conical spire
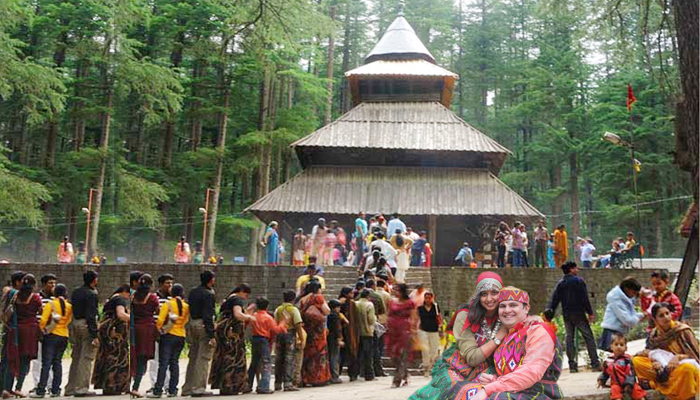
399,42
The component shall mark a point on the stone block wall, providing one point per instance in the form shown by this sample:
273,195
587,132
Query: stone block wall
452,285
71,275
455,286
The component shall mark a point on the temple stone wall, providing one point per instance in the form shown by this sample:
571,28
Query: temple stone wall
452,285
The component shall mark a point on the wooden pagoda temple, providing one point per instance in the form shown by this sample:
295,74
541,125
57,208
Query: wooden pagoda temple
400,149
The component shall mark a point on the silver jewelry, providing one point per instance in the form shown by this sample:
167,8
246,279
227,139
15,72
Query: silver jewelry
497,341
488,332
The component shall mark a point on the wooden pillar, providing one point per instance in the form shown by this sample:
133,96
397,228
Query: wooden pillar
432,236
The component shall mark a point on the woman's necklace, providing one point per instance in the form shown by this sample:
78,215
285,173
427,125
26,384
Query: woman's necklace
488,332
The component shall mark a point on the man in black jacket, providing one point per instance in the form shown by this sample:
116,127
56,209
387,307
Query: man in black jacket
572,293
200,336
83,336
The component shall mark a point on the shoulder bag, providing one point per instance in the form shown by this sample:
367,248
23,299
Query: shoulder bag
169,320
54,318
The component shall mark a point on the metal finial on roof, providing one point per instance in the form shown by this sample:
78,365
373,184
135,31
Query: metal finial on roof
400,8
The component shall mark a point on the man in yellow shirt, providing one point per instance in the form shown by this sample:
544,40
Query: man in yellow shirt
304,279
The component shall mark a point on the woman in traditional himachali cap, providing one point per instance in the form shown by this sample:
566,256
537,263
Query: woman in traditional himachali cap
475,327
527,362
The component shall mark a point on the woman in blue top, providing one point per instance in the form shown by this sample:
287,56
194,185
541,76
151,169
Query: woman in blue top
271,241
620,313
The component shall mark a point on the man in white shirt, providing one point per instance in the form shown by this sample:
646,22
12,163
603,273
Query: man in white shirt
386,248
587,250
395,224
411,234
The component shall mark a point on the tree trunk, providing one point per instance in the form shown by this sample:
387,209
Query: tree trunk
557,206
104,147
52,133
167,155
460,61
79,130
220,147
329,76
196,135
574,195
686,20
344,87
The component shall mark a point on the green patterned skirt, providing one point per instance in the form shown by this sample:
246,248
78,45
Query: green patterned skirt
450,370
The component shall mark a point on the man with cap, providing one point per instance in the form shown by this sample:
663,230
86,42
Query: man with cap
83,336
528,361
200,335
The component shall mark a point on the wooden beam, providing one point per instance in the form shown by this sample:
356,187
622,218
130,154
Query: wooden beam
432,235
690,262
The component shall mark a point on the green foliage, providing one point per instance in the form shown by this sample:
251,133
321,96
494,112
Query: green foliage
544,78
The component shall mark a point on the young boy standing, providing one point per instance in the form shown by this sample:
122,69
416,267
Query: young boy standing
285,342
264,330
618,368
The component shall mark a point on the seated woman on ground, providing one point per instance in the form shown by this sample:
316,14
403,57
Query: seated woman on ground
528,362
678,378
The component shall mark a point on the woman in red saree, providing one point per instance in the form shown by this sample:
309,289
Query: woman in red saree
23,335
144,307
401,328
315,370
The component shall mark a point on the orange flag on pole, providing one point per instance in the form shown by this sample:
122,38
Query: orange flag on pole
630,97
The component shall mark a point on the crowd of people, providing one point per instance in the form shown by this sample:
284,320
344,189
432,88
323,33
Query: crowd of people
329,244
313,337
37,327
552,250
669,364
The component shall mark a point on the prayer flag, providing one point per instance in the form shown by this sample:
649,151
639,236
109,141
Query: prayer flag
630,97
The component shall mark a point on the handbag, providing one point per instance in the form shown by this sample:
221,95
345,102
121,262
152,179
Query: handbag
313,314
169,320
54,318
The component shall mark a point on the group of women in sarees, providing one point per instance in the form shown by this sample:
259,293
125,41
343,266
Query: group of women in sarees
500,352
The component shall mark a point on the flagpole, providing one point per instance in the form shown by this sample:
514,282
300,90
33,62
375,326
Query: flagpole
634,184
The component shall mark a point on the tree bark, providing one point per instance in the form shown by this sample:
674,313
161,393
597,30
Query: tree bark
79,129
574,195
686,19
196,135
344,87
104,147
329,76
221,148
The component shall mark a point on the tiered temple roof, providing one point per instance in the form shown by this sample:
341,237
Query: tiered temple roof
400,149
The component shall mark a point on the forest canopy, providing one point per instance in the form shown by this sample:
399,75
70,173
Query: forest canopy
152,102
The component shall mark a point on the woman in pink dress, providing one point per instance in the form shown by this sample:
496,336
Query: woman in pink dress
401,328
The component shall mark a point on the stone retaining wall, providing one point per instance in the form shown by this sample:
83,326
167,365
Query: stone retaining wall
452,285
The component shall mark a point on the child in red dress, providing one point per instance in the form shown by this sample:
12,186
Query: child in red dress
618,368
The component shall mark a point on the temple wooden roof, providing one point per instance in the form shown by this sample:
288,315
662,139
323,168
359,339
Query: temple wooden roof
420,128
337,190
